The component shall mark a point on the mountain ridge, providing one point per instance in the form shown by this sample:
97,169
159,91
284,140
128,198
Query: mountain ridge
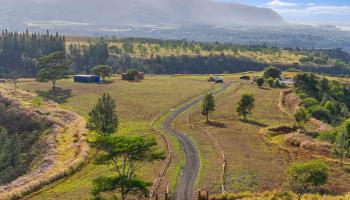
120,12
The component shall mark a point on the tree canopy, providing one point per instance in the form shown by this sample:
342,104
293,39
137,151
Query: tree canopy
272,72
245,105
208,105
306,176
52,67
127,155
102,70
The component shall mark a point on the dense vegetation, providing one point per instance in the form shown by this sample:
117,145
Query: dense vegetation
19,51
325,100
18,135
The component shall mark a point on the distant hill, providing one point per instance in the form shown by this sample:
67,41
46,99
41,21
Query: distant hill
107,13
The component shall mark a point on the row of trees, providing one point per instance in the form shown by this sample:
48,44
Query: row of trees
17,50
244,108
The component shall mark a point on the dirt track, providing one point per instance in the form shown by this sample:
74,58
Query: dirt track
185,187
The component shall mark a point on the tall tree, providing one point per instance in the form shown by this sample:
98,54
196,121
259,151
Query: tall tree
208,105
245,105
52,67
127,155
103,117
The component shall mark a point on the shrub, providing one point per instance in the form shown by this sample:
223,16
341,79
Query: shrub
102,70
301,116
328,136
304,177
132,74
270,81
330,105
272,72
320,113
260,81
309,102
37,101
279,130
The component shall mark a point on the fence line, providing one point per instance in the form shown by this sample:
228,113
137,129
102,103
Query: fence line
154,129
191,124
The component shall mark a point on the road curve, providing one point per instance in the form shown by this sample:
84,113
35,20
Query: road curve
185,186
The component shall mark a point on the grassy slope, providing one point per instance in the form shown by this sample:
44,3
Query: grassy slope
137,103
253,164
242,144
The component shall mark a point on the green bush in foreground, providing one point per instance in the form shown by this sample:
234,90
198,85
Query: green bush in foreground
306,177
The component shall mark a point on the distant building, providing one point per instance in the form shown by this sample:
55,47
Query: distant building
87,79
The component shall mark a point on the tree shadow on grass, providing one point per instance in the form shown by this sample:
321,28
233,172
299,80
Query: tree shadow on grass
58,95
253,122
107,82
264,88
216,124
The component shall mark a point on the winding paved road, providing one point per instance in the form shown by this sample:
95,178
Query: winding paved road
185,187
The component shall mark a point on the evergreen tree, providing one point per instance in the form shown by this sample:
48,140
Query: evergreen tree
245,105
103,117
208,105
52,67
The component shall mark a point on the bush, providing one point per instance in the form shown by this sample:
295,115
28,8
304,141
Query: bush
330,105
260,81
37,101
270,81
328,136
309,102
272,72
320,113
306,176
102,70
132,74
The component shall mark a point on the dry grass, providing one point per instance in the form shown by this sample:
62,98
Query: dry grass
241,143
54,163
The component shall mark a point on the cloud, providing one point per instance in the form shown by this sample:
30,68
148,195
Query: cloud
278,3
329,10
315,10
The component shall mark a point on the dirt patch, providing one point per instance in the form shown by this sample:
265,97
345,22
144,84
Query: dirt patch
279,130
289,102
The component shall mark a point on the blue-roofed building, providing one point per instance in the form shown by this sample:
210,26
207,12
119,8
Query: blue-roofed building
87,79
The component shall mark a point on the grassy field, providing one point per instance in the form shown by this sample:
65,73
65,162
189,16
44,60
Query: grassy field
254,163
137,104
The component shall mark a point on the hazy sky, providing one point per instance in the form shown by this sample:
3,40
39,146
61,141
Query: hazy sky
307,11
